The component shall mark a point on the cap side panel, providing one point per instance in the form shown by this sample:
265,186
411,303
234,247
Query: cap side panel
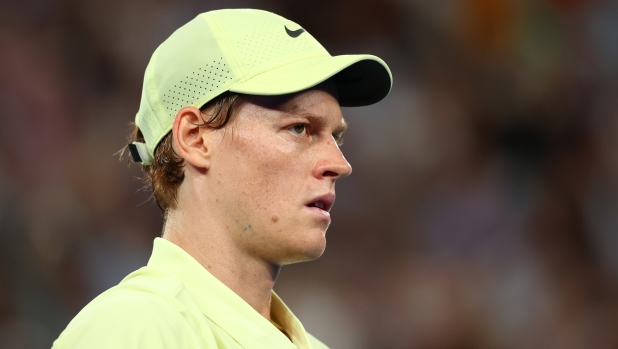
188,69
192,69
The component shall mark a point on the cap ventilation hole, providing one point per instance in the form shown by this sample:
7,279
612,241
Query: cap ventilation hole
196,85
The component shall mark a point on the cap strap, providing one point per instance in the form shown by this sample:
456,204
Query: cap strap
139,153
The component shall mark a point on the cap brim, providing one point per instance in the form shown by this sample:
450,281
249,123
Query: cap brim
360,79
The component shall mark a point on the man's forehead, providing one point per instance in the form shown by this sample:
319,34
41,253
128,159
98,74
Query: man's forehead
315,113
317,118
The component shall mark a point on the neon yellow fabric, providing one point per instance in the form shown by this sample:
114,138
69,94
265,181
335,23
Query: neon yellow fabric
174,302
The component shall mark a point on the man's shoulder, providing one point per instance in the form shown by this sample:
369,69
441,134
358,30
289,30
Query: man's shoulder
147,309
147,290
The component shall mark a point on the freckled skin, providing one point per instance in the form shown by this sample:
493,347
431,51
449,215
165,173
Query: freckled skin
267,173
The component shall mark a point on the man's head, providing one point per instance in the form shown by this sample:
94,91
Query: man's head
269,175
253,105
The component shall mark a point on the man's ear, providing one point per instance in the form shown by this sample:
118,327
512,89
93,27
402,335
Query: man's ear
191,142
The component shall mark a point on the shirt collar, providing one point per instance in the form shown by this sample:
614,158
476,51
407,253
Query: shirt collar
283,316
225,308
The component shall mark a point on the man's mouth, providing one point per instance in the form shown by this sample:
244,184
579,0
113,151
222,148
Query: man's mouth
323,202
318,204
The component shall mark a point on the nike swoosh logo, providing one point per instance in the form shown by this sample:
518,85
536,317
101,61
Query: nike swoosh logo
294,33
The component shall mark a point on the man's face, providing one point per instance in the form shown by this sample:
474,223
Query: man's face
274,172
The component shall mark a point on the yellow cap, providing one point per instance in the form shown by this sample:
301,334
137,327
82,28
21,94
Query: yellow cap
250,52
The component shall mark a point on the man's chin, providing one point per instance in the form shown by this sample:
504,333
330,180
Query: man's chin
306,253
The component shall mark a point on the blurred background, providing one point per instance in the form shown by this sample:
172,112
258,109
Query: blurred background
483,208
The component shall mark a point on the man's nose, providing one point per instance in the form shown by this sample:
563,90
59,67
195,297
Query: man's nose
332,163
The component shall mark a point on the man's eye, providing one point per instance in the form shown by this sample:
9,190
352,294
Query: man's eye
299,129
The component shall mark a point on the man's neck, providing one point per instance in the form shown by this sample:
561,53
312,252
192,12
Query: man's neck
248,277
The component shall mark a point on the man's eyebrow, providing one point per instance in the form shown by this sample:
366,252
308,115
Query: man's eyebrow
318,119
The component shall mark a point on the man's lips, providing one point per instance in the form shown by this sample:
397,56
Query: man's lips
323,202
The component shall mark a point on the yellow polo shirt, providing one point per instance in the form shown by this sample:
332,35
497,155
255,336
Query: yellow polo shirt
174,302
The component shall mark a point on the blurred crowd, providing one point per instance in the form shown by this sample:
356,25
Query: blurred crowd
483,207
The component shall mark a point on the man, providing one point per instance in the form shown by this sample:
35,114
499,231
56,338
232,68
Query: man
238,131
